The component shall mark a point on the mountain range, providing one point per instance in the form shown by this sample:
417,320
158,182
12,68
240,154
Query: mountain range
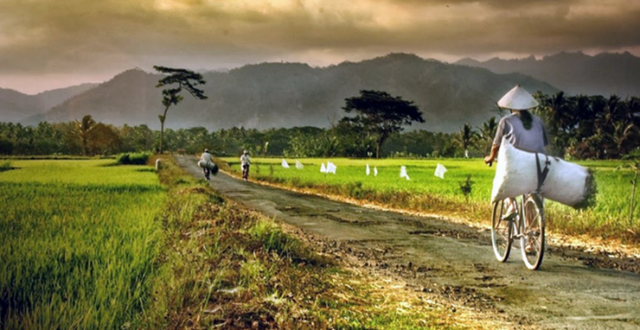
284,95
575,73
15,106
293,94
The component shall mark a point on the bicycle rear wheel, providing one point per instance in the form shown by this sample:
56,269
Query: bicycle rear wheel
501,230
532,241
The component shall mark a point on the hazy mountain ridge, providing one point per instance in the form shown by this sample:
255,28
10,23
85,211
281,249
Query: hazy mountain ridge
117,101
16,106
575,73
293,94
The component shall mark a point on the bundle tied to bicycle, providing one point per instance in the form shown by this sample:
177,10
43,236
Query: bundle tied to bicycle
520,172
210,165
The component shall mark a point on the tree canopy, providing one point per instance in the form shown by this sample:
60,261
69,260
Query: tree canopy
379,115
185,79
591,127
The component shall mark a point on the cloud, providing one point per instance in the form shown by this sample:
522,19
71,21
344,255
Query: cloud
67,36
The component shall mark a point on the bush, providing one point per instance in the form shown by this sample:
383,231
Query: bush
139,158
5,166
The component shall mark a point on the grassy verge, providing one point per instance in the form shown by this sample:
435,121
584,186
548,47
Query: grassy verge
607,220
229,268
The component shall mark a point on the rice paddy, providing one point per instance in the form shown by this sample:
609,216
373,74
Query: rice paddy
426,192
78,243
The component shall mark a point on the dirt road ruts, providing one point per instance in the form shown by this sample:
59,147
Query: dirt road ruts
452,260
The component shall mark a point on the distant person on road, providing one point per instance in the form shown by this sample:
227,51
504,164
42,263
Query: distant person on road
521,128
207,158
245,162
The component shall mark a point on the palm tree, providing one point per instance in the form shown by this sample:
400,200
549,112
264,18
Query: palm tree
83,129
626,132
562,116
585,115
606,122
467,138
487,132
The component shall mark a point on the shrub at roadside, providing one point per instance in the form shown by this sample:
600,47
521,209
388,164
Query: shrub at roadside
139,158
5,166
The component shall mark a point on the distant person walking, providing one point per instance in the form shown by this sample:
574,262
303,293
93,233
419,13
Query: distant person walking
207,159
245,162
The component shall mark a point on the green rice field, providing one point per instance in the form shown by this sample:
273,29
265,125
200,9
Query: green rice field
78,240
609,216
81,240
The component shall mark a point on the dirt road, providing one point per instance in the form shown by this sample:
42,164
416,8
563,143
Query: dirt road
454,261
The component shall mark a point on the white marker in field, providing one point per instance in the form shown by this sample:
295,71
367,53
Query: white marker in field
299,165
284,163
323,169
403,172
368,170
440,170
375,171
331,167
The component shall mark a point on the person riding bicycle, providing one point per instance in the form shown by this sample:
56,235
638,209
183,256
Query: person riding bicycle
207,158
521,128
245,162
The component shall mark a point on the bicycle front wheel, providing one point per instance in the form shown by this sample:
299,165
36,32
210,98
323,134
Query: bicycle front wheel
501,230
532,240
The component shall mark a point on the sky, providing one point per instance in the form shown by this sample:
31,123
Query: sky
47,44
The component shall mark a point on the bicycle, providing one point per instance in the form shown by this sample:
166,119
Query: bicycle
245,172
527,224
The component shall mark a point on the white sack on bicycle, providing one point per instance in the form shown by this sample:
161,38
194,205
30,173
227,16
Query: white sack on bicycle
517,174
210,165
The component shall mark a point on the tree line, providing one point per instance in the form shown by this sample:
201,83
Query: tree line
580,127
591,127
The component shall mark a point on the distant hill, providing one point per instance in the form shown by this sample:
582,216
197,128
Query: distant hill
15,106
292,94
129,97
575,73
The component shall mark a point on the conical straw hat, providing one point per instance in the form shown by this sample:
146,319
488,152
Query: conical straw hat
517,99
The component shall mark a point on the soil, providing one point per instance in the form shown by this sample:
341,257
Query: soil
455,262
